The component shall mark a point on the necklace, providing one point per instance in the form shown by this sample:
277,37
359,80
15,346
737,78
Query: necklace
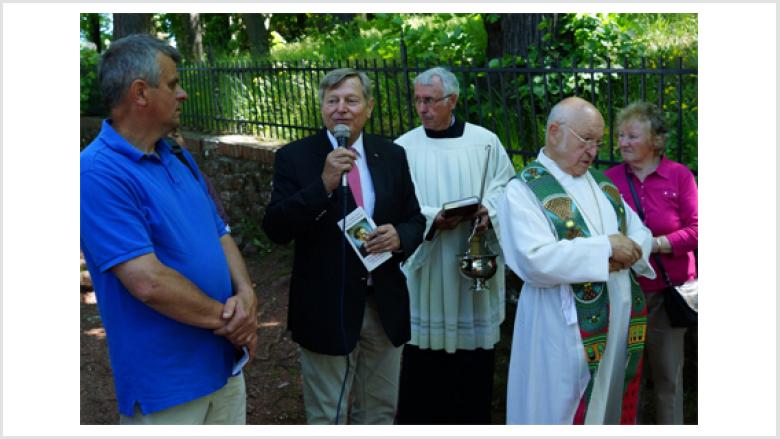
592,223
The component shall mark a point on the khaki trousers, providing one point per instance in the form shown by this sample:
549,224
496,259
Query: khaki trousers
226,406
372,381
664,356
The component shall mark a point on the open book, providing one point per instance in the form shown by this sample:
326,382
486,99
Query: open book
464,206
358,226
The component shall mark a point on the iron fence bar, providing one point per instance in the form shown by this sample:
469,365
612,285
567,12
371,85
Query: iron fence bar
490,102
378,99
507,131
310,92
477,98
263,86
560,78
464,94
625,82
679,114
275,105
546,90
661,89
519,114
644,80
231,85
398,100
592,82
576,74
610,112
532,105
375,91
242,103
303,110
205,99
284,97
292,107
315,95
389,99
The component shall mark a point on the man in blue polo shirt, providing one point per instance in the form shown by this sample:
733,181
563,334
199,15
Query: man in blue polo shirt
172,288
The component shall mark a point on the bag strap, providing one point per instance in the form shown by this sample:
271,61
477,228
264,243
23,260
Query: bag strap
641,213
177,151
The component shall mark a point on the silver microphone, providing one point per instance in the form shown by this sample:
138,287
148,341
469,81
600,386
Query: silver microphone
341,133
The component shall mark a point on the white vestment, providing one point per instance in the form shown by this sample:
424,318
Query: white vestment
548,373
445,314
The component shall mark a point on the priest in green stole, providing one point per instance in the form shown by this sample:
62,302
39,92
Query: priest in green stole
581,320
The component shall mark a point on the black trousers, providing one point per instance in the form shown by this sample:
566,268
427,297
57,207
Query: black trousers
441,388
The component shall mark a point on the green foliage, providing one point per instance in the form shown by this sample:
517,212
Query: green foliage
91,101
602,41
511,102
426,37
86,22
586,37
249,230
224,36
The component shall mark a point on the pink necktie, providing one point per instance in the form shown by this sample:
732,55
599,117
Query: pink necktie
353,177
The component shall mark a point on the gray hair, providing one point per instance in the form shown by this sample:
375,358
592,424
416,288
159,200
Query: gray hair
646,112
448,81
130,58
336,77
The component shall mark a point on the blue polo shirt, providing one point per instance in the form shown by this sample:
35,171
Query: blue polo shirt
134,204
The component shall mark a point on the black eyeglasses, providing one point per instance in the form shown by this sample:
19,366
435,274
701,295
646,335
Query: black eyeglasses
430,101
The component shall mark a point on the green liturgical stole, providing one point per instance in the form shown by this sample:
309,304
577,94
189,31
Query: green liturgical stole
591,298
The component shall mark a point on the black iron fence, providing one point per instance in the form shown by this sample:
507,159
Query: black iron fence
279,100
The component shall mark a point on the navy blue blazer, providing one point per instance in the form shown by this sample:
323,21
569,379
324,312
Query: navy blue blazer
301,211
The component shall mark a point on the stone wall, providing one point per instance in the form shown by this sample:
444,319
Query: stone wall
241,169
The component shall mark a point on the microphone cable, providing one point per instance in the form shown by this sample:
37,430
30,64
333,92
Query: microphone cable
344,194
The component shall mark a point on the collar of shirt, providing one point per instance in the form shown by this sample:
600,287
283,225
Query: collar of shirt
455,129
115,141
663,169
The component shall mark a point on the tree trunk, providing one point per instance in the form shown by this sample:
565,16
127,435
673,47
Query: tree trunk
196,27
513,34
126,24
94,31
257,34
188,31
493,29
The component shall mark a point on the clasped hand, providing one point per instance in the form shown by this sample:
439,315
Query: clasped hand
240,316
625,252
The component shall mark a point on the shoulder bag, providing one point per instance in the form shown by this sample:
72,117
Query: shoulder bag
681,301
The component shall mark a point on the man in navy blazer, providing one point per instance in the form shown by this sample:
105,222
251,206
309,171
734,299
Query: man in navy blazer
342,316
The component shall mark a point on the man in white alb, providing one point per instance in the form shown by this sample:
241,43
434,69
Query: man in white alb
447,367
581,320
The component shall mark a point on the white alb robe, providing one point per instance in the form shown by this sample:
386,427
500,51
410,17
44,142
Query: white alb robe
548,373
445,314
